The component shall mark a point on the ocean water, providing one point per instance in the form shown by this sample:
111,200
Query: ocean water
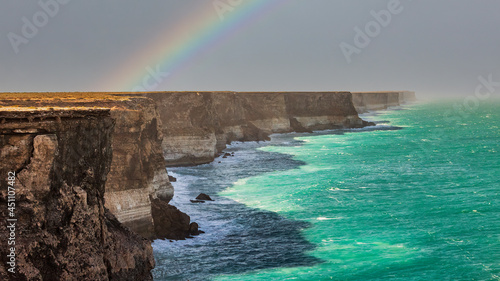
414,198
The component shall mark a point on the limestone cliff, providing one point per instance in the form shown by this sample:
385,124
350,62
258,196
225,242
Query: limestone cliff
138,173
198,125
63,231
371,101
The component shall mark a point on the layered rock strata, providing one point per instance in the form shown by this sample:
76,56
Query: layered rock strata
137,171
138,174
372,101
60,158
197,126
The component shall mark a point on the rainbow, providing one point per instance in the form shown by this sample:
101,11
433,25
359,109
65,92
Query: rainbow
192,37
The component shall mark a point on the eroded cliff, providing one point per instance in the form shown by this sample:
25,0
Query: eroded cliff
198,125
371,101
137,171
60,158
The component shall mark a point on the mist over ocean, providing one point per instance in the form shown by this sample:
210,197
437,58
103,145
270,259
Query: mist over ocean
414,198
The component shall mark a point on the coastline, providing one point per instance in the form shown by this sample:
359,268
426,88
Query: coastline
137,117
219,217
382,212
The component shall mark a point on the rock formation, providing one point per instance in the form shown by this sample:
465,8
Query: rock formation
197,126
138,171
371,101
63,230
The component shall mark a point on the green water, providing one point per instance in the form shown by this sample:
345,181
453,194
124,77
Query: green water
419,203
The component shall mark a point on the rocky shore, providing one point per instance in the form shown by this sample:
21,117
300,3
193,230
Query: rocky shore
90,167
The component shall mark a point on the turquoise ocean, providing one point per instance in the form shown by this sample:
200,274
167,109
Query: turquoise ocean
415,197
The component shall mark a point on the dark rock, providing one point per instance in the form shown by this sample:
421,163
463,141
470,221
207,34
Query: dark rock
64,230
169,222
197,201
204,197
298,127
193,229
172,179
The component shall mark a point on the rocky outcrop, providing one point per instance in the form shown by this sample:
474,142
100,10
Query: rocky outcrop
197,126
62,228
371,101
172,223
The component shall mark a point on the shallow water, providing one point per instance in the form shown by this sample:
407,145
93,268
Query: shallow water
414,198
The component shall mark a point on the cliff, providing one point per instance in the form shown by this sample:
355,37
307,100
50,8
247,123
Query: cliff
371,101
198,125
62,231
137,173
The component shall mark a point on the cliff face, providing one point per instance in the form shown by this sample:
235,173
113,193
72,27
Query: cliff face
198,125
407,96
322,111
63,231
138,173
370,101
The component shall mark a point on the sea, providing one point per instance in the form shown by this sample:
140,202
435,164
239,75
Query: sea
415,197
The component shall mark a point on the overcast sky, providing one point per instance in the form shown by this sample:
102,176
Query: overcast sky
435,47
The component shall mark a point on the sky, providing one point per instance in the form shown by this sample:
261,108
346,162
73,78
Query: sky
438,48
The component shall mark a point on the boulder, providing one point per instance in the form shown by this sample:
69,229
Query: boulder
193,229
169,222
204,197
